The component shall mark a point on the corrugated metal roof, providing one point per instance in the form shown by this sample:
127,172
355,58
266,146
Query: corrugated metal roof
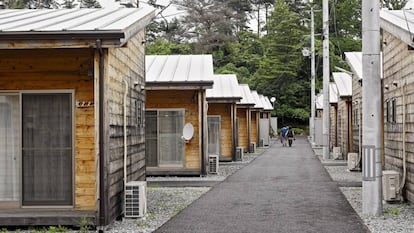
266,107
247,97
257,101
333,93
343,83
268,103
354,60
400,23
73,24
225,86
183,70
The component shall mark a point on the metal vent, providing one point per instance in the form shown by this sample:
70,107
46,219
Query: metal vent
391,185
336,153
252,147
353,162
213,164
239,153
135,199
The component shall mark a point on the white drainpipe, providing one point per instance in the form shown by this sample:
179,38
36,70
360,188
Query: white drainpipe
125,132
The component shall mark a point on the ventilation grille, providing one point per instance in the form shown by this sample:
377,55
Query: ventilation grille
239,153
353,162
336,153
135,199
213,164
261,142
391,185
252,147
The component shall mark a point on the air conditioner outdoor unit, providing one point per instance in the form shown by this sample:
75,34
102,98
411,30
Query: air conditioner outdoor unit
261,142
239,153
391,185
135,199
336,153
353,162
213,164
252,147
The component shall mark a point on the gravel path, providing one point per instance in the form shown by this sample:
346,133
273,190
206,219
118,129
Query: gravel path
164,203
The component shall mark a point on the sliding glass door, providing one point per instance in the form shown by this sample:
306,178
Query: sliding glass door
9,148
47,151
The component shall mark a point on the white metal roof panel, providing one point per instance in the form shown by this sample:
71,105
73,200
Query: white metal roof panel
333,94
344,83
398,23
247,97
257,101
266,107
354,60
61,24
225,86
268,103
179,68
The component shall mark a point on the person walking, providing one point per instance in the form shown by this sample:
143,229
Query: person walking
290,136
283,136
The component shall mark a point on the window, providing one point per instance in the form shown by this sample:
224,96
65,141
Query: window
9,147
164,146
391,109
213,123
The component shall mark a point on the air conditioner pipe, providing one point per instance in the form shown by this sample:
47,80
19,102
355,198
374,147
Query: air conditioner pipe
125,132
403,91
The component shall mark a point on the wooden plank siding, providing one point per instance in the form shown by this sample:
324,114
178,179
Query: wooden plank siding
398,66
124,64
333,122
344,127
357,115
56,69
187,100
226,134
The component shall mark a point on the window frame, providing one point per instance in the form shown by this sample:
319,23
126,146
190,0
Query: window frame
158,110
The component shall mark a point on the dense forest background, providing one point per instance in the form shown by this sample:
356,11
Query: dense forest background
268,58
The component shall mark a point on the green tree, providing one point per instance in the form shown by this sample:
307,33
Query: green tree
278,74
90,4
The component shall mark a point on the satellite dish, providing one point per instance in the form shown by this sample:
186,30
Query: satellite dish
273,99
188,132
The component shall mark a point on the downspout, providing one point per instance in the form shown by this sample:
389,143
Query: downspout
102,205
204,157
403,90
125,133
233,129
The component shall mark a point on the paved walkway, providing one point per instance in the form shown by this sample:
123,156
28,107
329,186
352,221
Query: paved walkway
283,190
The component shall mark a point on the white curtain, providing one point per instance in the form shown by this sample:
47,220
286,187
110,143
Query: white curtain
171,146
213,135
9,147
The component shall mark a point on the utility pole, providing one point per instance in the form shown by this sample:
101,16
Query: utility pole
371,110
326,114
312,122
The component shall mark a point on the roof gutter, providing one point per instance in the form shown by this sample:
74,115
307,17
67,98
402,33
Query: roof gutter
62,35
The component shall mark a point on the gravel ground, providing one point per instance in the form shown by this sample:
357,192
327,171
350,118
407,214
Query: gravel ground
397,217
163,203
